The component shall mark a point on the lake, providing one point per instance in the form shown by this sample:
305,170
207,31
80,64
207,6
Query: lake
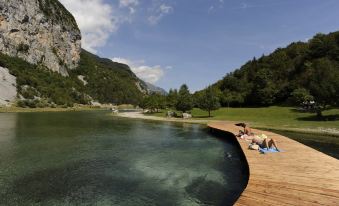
92,158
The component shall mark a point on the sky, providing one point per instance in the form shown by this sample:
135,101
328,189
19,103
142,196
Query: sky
197,42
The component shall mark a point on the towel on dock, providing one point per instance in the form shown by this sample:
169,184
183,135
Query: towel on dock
270,150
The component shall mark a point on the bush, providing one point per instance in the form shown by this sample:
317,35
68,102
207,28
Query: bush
298,96
21,103
23,48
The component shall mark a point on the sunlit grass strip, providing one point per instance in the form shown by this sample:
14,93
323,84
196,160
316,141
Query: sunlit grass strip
269,117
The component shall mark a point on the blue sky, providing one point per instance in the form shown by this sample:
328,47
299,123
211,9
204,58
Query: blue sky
171,42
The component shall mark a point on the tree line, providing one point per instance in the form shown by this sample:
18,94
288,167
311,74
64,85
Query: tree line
301,72
182,100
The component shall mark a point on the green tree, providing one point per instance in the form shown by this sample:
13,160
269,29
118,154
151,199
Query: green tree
185,100
150,103
301,95
172,98
209,100
160,101
153,102
229,98
324,84
143,103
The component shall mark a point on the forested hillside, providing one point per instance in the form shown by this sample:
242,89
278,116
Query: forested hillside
95,79
108,81
301,70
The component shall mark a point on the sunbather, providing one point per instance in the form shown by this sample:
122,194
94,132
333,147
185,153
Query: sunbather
265,142
246,132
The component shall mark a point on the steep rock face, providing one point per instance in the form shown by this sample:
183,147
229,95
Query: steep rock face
40,32
8,90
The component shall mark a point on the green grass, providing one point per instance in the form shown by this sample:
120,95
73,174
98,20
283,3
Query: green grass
270,117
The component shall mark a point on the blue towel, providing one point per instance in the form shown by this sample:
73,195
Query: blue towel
271,150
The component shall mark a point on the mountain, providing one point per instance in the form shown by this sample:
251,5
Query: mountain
155,89
309,69
42,63
108,81
40,32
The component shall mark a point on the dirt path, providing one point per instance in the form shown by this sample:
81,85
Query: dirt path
140,115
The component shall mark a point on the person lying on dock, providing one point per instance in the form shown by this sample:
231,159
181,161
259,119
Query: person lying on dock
261,140
264,142
246,131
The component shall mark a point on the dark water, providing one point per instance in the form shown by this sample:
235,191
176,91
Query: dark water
90,158
324,143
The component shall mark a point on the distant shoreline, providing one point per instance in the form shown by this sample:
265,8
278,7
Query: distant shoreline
140,115
46,109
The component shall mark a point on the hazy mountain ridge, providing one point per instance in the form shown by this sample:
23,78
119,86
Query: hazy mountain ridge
155,89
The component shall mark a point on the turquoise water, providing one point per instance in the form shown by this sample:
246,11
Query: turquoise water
90,158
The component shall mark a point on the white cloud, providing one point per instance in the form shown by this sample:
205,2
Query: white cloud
95,20
150,74
128,3
160,12
165,9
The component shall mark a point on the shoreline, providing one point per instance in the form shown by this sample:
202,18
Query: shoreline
47,109
140,115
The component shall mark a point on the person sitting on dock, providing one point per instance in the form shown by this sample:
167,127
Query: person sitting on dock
246,132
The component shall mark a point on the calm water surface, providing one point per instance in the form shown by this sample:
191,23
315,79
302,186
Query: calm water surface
90,158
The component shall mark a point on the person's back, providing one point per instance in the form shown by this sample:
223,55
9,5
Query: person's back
246,133
248,130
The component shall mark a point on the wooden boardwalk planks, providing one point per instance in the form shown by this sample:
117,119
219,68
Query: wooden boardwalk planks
298,176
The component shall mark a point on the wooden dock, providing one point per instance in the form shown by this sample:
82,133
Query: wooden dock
298,176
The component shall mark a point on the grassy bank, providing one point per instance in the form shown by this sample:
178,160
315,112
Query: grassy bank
327,144
47,109
271,117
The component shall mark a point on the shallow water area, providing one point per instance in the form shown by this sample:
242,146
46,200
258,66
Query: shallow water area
91,158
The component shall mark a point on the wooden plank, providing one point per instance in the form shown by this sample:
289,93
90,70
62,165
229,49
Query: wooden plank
298,176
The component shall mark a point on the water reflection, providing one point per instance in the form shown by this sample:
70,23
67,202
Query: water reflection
8,130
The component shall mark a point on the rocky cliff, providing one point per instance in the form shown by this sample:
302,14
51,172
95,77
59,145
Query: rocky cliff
40,32
8,90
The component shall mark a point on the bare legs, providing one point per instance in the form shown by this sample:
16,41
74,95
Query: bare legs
274,143
268,144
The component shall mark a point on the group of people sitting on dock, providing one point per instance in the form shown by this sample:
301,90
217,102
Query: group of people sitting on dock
261,140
